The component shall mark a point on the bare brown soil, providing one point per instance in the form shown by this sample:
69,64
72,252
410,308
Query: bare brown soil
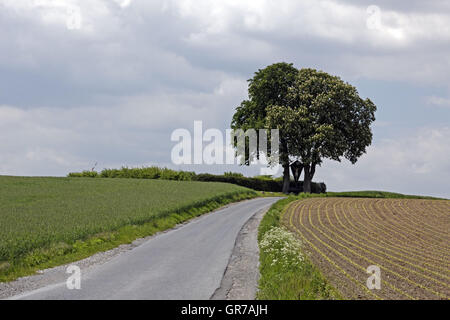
408,239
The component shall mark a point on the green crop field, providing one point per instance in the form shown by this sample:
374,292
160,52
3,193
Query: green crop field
40,212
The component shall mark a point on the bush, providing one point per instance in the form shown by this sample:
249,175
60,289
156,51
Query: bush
75,175
147,173
316,187
252,183
266,177
233,174
84,174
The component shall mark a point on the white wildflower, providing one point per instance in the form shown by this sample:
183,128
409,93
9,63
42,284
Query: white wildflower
282,246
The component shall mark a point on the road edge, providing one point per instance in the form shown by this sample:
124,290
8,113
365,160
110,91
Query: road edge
241,276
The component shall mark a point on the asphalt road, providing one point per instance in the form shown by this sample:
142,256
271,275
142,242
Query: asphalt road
184,263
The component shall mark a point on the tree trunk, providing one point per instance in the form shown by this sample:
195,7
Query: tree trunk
312,171
307,180
284,159
286,178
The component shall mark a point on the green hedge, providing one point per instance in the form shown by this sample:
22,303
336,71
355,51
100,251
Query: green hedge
84,174
252,183
260,183
138,173
316,187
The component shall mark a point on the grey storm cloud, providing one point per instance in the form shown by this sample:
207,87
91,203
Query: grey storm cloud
194,45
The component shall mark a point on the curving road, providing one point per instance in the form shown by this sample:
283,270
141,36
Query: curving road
184,263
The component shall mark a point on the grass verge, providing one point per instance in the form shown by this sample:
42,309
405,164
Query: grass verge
286,272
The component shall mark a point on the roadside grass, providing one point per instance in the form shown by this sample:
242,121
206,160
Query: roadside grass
46,222
286,271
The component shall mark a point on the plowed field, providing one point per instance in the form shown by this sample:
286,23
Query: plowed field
408,239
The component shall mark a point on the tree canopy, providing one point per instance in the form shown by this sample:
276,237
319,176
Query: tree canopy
268,87
319,116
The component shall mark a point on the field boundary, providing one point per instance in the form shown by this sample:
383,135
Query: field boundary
288,274
240,280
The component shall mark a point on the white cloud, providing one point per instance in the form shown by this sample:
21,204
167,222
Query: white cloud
438,101
132,131
407,45
159,36
339,21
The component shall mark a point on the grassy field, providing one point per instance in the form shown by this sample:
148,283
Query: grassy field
48,221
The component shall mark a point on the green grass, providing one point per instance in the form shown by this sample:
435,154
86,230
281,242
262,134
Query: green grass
50,221
286,272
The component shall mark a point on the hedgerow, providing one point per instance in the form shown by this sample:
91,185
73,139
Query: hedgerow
259,183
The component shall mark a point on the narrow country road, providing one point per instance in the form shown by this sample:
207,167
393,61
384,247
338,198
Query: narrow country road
184,263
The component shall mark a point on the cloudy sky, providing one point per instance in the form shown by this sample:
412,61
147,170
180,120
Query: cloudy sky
107,81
